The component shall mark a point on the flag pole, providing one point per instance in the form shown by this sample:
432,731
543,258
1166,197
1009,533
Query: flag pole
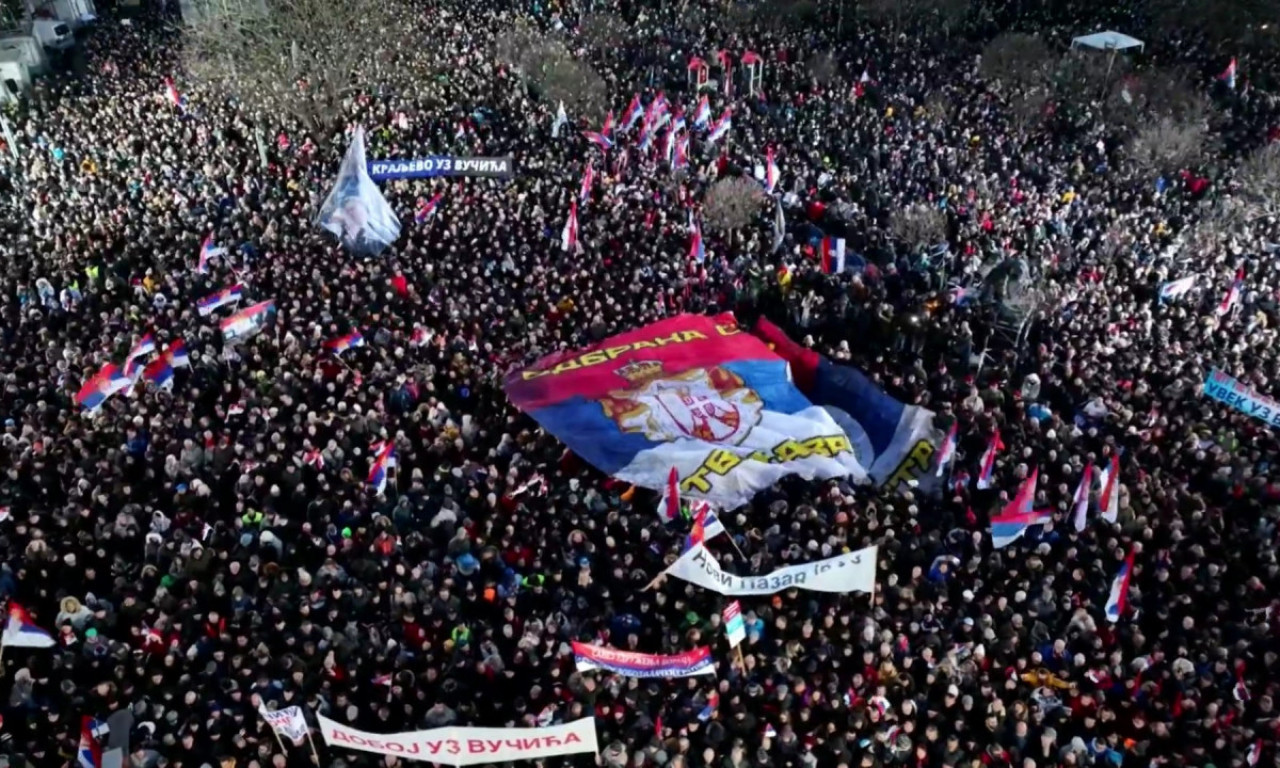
2,646
314,754
279,741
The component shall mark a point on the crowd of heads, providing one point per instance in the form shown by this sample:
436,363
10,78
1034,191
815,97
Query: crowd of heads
202,549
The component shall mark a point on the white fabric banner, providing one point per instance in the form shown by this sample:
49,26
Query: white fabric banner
458,745
289,723
854,572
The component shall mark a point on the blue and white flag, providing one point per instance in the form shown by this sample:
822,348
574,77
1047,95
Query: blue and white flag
355,211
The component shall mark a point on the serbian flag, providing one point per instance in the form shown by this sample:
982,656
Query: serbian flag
569,237
159,372
427,208
599,139
702,115
89,751
588,182
947,450
1176,288
1109,501
145,346
1228,75
22,632
1081,502
606,130
210,304
1232,298
378,472
989,461
109,380
656,111
343,343
721,127
697,249
1255,753
680,156
247,322
833,255
669,507
1018,516
698,533
177,354
180,101
207,251
1240,692
1119,591
635,111
771,173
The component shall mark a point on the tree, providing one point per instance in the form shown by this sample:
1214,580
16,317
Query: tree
732,203
298,58
602,30
1236,25
1258,182
1167,145
919,226
1016,61
823,67
551,72
1139,99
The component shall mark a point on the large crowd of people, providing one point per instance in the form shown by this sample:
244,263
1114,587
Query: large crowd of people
202,549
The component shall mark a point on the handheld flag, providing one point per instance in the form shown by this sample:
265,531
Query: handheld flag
697,249
562,119
833,255
109,380
248,322
1232,299
89,751
721,127
1176,288
207,251
1228,75
289,723
669,507
989,461
180,101
1081,502
1017,517
1119,596
606,130
145,346
599,139
702,115
221,298
947,450
771,174
680,155
343,343
22,632
569,237
427,208
588,182
1109,501
378,472
634,112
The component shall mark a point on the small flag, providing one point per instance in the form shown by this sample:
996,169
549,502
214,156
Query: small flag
89,751
343,343
771,173
22,632
378,471
569,237
1176,288
634,112
562,119
588,182
248,322
702,115
947,450
1081,501
680,155
1109,501
220,298
427,208
109,380
145,346
698,533
207,251
289,723
833,255
1119,591
599,139
1228,75
1232,299
176,98
669,506
697,249
721,127
607,129
1018,516
989,461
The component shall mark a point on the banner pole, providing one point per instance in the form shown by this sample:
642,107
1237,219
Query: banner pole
315,756
279,742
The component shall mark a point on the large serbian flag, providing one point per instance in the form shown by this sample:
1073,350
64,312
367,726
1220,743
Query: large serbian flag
694,393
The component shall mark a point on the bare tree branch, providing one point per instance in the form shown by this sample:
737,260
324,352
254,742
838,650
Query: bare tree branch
1258,182
823,67
602,30
919,226
1017,61
552,72
732,203
1167,145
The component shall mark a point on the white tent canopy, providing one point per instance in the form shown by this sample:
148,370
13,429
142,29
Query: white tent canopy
1107,41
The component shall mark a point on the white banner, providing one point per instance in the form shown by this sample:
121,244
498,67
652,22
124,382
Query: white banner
289,723
355,211
854,572
457,745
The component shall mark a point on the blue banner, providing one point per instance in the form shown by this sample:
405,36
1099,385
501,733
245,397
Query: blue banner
431,167
1229,391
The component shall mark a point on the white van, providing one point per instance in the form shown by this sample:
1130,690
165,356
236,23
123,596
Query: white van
54,34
